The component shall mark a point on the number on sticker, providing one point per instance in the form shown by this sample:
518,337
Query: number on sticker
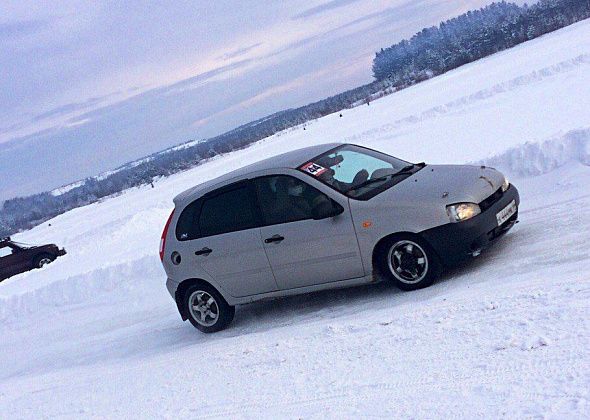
313,169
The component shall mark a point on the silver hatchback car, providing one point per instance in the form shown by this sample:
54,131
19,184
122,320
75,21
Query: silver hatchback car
326,217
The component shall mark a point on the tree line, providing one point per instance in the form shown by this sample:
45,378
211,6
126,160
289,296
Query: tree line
471,36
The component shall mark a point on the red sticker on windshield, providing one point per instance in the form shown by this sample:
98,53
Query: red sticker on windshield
313,168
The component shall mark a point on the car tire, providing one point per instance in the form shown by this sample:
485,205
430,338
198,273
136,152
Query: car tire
206,309
409,262
42,260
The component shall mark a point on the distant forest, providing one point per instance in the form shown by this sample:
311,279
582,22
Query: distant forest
433,51
471,36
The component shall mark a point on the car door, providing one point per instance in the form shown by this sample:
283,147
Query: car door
5,252
227,243
303,251
10,261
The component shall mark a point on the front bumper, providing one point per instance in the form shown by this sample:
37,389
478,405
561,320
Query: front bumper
455,242
61,252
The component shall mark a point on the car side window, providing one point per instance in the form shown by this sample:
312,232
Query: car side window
187,227
5,251
228,211
285,199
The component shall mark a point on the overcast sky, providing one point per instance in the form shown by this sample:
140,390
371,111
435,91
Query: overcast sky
86,86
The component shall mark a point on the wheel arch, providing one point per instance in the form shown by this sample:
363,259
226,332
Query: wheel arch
381,243
39,256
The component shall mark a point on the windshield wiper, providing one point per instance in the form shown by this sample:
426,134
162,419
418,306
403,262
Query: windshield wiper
371,181
403,171
411,166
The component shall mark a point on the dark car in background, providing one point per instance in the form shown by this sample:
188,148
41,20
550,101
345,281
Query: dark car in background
16,258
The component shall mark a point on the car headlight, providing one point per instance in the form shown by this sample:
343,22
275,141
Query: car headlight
505,185
462,211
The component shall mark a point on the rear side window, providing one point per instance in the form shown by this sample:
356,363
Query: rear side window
5,251
228,211
223,212
187,227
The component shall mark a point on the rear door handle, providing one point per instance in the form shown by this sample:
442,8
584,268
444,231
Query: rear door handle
204,251
274,238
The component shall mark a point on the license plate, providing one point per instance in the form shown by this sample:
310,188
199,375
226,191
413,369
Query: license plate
506,213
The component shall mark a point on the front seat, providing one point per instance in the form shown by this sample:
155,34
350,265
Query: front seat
360,177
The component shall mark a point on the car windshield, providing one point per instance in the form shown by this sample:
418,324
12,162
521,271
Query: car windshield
358,172
21,245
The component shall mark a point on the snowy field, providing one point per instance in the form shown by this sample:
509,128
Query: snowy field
96,335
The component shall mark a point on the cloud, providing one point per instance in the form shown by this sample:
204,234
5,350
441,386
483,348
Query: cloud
71,107
200,79
61,116
333,4
177,70
239,52
21,28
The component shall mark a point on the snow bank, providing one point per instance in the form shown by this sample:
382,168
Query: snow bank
123,283
531,159
474,98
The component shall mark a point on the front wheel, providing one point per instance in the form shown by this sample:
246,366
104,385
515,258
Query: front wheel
41,261
207,310
409,262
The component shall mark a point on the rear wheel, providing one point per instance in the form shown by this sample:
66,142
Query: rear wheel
42,260
409,262
207,310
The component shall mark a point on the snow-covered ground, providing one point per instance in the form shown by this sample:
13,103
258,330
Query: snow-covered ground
96,335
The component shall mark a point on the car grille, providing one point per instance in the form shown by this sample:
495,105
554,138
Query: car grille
491,200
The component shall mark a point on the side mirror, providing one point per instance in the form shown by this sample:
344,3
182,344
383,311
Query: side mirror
326,209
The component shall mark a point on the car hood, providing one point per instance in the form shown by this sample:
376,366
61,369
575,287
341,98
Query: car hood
46,247
447,184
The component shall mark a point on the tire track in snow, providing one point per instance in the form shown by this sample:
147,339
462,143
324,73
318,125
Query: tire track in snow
530,365
486,378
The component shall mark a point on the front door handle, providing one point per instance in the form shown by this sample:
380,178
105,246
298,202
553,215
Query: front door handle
204,251
274,238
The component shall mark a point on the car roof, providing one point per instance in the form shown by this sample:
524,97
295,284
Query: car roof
291,160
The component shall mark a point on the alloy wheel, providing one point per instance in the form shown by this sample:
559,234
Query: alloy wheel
203,308
408,262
